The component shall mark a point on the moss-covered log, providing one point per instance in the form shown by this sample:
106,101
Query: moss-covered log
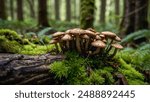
23,69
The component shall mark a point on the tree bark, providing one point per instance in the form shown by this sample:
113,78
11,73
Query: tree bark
42,13
57,8
11,9
23,69
2,10
32,5
87,8
141,21
20,10
117,12
102,11
68,10
135,16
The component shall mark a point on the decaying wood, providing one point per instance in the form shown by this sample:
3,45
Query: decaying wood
23,69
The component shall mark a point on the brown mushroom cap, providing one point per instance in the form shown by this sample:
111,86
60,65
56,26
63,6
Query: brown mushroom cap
118,46
66,37
98,43
117,38
57,34
98,37
75,31
85,36
102,36
53,41
90,33
109,34
92,30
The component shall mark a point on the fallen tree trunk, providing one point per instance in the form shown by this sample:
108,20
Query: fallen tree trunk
24,69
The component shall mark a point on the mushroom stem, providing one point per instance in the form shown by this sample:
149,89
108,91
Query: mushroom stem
87,44
96,51
57,50
114,53
67,44
107,51
109,45
78,43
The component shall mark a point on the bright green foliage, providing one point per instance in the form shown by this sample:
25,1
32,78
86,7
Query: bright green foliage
133,76
87,13
73,70
33,49
9,46
10,41
10,35
139,58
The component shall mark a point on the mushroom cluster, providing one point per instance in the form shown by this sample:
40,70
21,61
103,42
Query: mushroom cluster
87,42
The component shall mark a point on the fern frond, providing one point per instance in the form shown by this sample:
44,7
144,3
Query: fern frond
136,35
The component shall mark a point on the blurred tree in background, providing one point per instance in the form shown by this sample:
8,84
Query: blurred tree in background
2,10
87,8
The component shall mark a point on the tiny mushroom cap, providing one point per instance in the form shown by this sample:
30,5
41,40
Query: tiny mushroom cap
98,43
118,46
57,34
117,38
90,33
53,41
109,34
98,37
85,36
104,40
92,30
75,31
102,36
66,37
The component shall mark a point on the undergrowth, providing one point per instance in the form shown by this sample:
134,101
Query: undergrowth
78,70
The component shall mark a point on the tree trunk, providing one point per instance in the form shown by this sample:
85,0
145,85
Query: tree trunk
141,21
135,16
102,11
57,8
20,10
32,5
117,12
23,69
42,13
2,10
11,2
87,8
68,10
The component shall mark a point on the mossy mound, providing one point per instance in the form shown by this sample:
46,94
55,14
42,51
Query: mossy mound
79,70
10,35
11,42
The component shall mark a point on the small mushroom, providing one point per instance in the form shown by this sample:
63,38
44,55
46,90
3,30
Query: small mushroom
99,44
58,34
117,39
109,34
117,47
86,38
76,32
67,38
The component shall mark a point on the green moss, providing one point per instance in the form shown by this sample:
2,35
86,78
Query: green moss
10,46
130,73
10,35
73,70
33,49
87,8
